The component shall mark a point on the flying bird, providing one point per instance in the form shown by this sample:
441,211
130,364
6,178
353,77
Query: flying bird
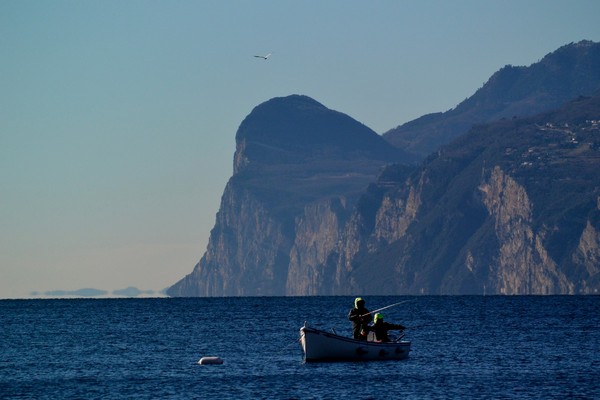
264,57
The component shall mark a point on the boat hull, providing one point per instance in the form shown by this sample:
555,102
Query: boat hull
325,346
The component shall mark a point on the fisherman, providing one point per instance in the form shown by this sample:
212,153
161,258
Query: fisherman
381,328
360,317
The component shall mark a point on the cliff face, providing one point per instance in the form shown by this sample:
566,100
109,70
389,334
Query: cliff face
522,264
511,208
247,252
298,170
587,256
313,255
321,205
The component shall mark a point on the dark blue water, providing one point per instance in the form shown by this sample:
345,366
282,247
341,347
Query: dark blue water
463,347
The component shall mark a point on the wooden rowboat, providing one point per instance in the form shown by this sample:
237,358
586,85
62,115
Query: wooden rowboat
327,346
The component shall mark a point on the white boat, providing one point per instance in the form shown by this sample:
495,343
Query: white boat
327,346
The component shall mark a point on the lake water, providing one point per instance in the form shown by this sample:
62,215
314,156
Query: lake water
462,347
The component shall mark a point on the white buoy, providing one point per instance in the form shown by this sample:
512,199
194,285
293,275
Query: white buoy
210,360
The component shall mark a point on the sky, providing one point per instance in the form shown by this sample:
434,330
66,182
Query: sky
118,118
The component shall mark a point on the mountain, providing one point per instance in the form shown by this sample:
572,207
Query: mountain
572,70
319,204
293,156
512,207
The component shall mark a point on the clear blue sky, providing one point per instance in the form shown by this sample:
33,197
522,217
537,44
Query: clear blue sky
118,118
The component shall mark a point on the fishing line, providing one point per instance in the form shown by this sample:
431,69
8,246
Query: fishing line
383,308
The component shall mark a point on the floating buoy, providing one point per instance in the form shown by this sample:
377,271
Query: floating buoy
210,360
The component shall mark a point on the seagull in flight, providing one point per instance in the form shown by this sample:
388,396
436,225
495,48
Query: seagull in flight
264,57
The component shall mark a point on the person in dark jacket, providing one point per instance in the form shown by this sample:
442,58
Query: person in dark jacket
360,318
381,328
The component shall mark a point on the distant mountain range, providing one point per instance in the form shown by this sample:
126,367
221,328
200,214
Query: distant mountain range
500,195
91,292
563,75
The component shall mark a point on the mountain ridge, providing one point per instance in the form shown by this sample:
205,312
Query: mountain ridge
518,195
570,71
509,206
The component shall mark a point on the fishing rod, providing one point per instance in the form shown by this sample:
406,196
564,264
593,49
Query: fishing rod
383,308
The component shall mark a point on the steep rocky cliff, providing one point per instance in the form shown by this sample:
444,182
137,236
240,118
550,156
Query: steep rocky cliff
321,205
299,169
510,208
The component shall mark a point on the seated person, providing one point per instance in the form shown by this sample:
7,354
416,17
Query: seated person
381,328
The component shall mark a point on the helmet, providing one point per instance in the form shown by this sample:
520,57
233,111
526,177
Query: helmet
358,300
378,317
